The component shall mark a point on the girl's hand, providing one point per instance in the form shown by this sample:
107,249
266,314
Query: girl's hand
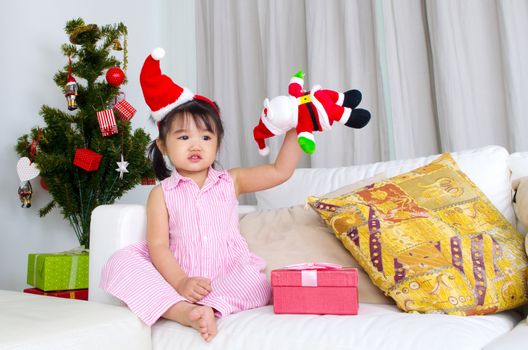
194,289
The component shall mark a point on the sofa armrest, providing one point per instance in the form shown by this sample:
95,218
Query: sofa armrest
112,227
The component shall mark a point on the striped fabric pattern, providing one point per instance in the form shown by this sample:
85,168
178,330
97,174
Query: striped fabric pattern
125,111
206,241
107,122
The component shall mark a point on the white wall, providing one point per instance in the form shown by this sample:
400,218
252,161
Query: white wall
32,33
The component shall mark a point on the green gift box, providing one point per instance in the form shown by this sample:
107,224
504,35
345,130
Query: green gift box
58,271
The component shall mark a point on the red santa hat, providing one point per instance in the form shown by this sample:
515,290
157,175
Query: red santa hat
161,94
260,133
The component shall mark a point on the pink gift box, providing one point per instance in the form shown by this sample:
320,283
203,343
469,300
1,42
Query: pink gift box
315,289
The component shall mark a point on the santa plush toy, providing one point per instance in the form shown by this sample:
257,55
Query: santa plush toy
308,111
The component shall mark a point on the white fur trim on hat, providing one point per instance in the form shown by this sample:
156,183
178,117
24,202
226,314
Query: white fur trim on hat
158,53
185,96
264,152
297,80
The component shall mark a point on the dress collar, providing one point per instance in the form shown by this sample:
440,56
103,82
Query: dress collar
176,178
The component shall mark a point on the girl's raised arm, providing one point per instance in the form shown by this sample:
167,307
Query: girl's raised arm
269,175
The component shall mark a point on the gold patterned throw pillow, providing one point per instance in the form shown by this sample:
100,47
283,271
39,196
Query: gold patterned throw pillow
432,241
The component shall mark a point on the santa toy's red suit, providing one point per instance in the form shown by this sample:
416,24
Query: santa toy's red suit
308,111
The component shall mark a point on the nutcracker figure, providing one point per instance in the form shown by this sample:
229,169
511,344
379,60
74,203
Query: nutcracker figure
71,92
24,193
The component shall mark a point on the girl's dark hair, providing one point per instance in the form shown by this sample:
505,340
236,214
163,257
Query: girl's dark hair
202,113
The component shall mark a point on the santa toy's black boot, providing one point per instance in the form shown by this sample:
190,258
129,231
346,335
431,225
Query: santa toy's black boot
352,99
358,118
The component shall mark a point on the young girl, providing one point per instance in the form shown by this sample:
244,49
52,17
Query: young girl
194,266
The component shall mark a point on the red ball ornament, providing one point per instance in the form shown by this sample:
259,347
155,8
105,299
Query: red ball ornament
43,184
115,76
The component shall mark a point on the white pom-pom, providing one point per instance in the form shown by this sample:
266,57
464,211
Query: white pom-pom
158,53
264,152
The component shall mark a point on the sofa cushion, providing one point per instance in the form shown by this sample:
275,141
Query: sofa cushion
294,235
375,327
432,241
518,163
517,339
358,184
487,167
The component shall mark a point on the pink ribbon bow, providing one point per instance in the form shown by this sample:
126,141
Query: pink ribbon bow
314,266
309,271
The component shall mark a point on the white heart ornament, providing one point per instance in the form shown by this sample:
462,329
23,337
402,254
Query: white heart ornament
27,170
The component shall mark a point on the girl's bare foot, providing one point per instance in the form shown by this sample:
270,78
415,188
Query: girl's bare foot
202,319
198,317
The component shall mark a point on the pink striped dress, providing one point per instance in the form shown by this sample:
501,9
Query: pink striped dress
205,239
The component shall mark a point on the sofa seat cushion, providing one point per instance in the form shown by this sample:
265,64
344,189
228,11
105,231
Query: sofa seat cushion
517,339
431,240
29,321
376,327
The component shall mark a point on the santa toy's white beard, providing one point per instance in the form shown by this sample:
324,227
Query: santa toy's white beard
282,114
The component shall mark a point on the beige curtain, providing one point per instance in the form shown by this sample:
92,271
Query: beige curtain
436,75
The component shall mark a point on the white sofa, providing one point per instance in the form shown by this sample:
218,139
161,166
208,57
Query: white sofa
36,322
377,326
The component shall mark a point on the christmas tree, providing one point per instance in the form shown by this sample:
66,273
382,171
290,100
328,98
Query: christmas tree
105,166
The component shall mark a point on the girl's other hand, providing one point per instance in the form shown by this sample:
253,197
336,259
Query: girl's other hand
194,289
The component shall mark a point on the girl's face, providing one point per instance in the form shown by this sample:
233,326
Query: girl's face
190,147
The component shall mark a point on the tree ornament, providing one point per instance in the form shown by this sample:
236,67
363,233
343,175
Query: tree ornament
122,167
70,90
24,193
125,51
43,184
117,45
84,33
117,98
124,109
115,76
148,181
26,169
87,159
107,122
